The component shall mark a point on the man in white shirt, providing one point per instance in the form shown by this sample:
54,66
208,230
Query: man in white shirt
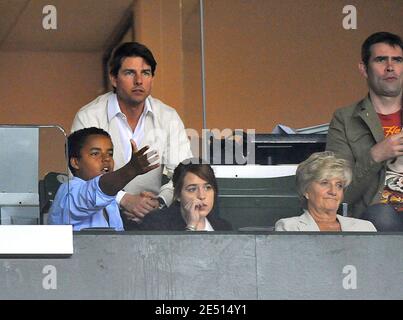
129,112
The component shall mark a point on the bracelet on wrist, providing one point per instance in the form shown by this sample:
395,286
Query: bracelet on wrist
190,228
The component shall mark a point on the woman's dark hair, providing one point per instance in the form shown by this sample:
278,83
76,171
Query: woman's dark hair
200,168
77,139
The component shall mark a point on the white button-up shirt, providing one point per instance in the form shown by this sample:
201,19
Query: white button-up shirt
125,130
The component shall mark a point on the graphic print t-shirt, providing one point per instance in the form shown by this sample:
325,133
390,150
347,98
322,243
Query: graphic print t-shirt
393,190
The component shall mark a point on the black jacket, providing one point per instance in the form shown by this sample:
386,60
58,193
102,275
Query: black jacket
170,219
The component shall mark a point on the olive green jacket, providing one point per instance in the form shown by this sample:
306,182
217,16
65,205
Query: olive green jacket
352,132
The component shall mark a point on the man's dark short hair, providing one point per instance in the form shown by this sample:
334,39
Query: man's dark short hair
130,49
379,37
77,140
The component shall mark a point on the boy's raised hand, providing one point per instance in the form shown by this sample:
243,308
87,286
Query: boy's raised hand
141,161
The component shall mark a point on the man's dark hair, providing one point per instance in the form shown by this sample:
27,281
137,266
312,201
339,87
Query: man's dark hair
130,49
77,139
379,37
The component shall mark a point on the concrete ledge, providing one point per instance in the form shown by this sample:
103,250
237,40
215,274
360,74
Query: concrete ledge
214,266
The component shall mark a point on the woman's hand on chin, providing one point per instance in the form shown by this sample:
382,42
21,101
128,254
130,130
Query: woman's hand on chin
191,211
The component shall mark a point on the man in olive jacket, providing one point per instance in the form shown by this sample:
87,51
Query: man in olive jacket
359,132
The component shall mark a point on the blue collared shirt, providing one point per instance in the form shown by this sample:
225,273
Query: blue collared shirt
83,206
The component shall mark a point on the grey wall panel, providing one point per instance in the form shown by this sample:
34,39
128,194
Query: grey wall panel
141,267
214,266
19,160
310,266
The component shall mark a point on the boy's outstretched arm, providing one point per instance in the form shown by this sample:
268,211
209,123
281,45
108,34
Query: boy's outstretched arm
141,162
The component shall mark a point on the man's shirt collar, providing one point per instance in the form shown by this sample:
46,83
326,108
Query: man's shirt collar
114,109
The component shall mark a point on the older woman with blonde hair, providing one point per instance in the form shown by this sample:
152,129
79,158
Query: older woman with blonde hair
321,181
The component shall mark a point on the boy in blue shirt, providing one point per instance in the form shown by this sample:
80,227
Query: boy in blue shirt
88,200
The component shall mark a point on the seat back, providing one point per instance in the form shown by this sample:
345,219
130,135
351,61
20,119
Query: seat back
258,200
47,191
